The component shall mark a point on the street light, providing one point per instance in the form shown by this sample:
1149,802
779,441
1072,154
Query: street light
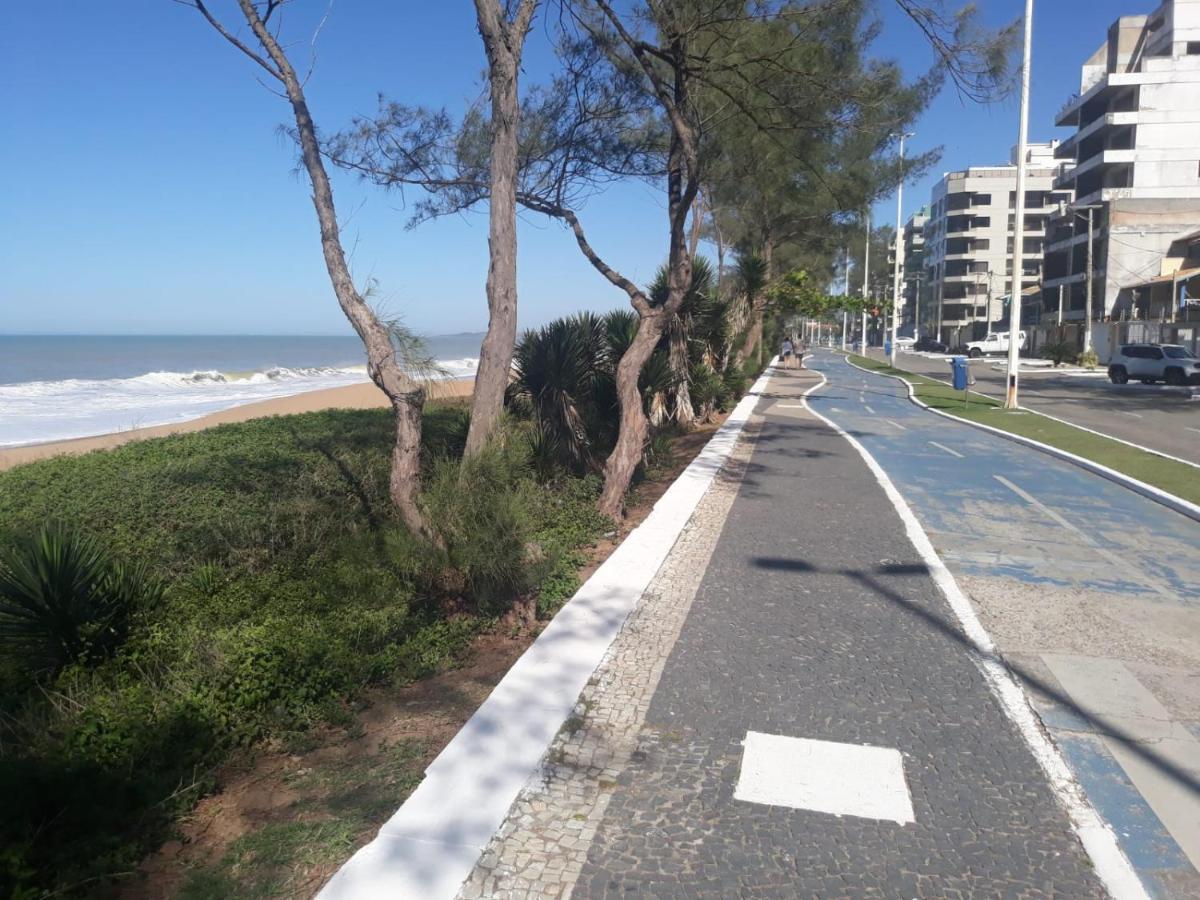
899,245
1014,307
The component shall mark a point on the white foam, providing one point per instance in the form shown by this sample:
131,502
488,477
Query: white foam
38,411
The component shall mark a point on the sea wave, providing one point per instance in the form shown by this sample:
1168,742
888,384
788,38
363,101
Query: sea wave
38,411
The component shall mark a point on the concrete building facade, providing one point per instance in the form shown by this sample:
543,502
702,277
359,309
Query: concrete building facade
968,242
913,271
1135,163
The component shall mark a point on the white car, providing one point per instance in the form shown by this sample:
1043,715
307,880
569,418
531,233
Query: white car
1149,363
995,342
905,343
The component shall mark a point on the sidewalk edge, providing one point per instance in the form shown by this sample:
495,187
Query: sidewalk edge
1095,835
1149,491
471,785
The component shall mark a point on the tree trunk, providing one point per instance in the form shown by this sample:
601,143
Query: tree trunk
634,427
407,396
680,365
503,42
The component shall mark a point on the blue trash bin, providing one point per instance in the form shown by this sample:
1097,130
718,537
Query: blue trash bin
961,373
887,348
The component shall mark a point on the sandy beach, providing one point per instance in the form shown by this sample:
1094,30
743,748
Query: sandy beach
355,396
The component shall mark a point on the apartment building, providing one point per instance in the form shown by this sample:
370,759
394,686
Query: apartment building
1135,167
914,268
968,241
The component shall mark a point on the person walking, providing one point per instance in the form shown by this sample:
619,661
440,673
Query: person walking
786,351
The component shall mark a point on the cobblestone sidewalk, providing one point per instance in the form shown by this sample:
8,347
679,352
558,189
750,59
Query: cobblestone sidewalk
542,847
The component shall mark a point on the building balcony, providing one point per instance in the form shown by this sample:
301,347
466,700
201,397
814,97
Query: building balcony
1094,163
1067,148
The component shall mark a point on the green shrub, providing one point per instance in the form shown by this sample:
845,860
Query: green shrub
1060,352
1088,359
64,600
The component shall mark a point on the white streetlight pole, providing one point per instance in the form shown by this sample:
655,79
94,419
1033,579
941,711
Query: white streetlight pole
866,283
899,250
1018,261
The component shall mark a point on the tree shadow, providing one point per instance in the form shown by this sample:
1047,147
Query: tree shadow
869,579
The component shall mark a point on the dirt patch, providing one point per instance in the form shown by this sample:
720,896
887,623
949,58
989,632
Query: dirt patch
287,817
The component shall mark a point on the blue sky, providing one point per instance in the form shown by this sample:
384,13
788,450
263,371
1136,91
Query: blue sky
147,189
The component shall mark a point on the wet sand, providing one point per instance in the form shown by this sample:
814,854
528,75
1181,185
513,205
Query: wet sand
355,396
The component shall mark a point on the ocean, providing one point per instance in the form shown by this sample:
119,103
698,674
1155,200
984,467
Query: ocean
55,387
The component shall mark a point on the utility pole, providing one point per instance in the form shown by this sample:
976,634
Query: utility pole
1014,307
845,292
866,282
917,309
899,251
1060,305
1091,271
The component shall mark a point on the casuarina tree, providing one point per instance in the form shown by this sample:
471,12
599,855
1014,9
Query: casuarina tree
384,365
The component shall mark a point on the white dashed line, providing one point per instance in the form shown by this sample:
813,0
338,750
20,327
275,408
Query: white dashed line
897,424
1190,428
868,409
1124,413
947,449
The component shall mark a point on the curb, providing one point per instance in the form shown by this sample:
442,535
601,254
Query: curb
430,846
1149,491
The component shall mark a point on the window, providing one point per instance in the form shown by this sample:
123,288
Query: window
1176,353
981,199
981,244
1193,48
1153,353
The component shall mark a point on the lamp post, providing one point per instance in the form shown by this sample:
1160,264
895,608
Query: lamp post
866,282
899,250
1014,307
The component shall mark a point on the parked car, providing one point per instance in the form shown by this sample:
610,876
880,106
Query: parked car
995,342
905,343
930,345
1149,363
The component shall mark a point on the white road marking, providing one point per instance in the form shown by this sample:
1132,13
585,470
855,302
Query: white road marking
825,776
947,449
1190,428
1124,413
790,406
897,424
868,409
1100,549
1112,867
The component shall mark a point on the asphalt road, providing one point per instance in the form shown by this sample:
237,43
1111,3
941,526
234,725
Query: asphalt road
1091,591
1161,418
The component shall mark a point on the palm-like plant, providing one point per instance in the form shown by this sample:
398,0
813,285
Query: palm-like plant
751,275
678,329
64,600
558,371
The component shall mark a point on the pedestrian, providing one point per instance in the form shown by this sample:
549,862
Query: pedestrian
787,351
800,356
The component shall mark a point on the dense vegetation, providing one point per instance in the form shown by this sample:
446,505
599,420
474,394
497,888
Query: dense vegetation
275,585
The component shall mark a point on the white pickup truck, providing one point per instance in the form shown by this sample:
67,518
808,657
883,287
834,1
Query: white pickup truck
995,342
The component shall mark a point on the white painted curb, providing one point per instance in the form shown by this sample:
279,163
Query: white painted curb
1178,504
1096,836
430,846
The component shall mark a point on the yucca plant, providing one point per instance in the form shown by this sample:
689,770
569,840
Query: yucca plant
558,370
678,332
64,600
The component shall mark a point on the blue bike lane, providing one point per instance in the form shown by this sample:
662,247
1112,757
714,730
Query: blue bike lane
1091,591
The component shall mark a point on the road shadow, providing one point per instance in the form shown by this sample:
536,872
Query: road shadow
870,579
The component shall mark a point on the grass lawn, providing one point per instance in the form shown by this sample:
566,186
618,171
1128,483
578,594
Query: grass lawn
1174,478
